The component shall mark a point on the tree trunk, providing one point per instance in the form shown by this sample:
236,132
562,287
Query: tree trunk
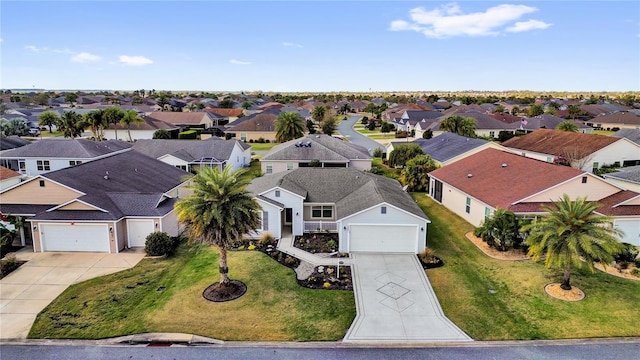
566,285
224,270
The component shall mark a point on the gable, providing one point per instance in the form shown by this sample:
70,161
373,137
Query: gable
77,205
31,192
594,189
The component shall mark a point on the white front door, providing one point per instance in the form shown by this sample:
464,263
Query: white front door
383,238
76,237
137,231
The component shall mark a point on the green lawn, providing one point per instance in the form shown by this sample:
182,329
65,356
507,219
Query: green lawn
520,309
381,136
275,307
262,146
388,172
603,132
46,133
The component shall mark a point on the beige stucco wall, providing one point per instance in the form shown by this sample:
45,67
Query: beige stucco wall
594,189
255,135
360,164
31,192
625,184
121,233
76,205
306,212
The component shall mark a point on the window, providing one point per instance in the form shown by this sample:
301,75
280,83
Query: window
22,165
183,167
269,168
243,136
43,165
264,221
74,162
584,179
468,207
322,212
549,159
277,193
596,165
41,183
487,213
492,133
383,210
289,166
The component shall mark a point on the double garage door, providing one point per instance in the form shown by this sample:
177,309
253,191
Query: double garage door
76,237
383,238
631,230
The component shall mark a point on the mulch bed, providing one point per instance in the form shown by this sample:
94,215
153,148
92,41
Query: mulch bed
433,262
219,293
270,250
554,290
325,277
315,243
7,267
515,254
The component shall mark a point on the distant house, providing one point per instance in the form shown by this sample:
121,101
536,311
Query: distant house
230,114
476,186
370,213
620,120
53,154
140,131
256,126
447,147
189,155
8,178
105,205
629,134
627,178
546,121
584,151
12,142
485,124
184,119
326,150
409,118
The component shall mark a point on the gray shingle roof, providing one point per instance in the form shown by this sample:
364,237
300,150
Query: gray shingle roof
631,174
12,142
446,146
350,189
187,150
67,149
629,134
323,148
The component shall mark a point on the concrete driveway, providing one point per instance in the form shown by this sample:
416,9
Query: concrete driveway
27,290
395,302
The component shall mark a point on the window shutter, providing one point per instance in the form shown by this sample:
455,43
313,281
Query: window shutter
265,221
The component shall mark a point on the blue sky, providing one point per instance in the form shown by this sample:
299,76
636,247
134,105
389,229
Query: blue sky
321,45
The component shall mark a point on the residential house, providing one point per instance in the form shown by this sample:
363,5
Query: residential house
12,142
545,121
326,150
476,186
629,134
409,118
8,178
368,212
229,114
448,148
626,178
105,205
584,151
184,120
52,154
189,155
257,126
144,130
620,120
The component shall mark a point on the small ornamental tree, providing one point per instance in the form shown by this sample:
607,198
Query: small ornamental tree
416,173
403,153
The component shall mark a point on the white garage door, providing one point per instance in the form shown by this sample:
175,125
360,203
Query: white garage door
76,237
631,230
384,239
138,231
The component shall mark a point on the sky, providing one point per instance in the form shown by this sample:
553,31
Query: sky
321,46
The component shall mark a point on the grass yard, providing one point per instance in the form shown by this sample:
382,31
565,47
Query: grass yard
275,307
520,309
387,171
262,146
603,132
381,136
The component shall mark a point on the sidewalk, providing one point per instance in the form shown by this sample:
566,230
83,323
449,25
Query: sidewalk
285,244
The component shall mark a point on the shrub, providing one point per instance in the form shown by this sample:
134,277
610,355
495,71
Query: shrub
427,134
158,244
188,135
635,272
501,231
615,129
629,254
377,153
332,244
8,264
250,141
401,134
266,239
376,170
427,255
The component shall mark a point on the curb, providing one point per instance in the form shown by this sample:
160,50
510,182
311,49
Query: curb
161,338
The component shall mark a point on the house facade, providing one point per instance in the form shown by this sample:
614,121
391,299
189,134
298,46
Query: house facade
370,213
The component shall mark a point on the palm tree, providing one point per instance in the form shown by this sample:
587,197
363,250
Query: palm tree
572,235
459,125
114,115
130,117
567,126
71,124
96,121
289,125
416,173
218,211
318,113
48,118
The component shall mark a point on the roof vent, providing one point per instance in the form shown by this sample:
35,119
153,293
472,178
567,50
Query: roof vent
504,165
469,175
308,144
317,136
106,175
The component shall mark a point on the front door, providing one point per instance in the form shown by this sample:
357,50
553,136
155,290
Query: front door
288,216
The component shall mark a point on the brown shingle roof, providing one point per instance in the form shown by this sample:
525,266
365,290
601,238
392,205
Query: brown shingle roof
609,203
179,118
498,185
7,173
225,112
264,121
617,118
555,142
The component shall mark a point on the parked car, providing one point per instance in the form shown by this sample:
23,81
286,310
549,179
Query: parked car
34,132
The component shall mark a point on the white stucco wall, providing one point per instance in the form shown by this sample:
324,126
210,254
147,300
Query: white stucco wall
360,164
290,200
274,227
110,134
455,200
620,151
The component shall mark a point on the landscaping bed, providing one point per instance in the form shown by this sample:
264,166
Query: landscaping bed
328,278
317,242
9,264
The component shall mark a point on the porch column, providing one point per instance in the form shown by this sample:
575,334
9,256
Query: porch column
23,242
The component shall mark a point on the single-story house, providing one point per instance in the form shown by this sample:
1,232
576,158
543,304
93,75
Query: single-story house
620,120
144,130
184,119
104,205
370,213
260,125
477,185
12,142
188,155
629,134
546,121
584,151
409,118
627,178
52,154
228,114
447,147
327,150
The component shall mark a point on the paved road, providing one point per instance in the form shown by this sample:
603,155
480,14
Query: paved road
599,350
346,129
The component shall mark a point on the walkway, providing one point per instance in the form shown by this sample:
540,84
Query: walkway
346,129
395,302
31,287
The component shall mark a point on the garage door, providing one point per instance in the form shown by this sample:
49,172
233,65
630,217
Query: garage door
631,230
384,239
76,237
138,231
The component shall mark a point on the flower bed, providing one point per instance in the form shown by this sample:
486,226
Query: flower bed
315,243
327,277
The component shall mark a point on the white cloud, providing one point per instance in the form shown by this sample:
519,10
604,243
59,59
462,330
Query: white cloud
449,20
238,62
135,60
290,44
33,48
85,57
63,51
521,26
